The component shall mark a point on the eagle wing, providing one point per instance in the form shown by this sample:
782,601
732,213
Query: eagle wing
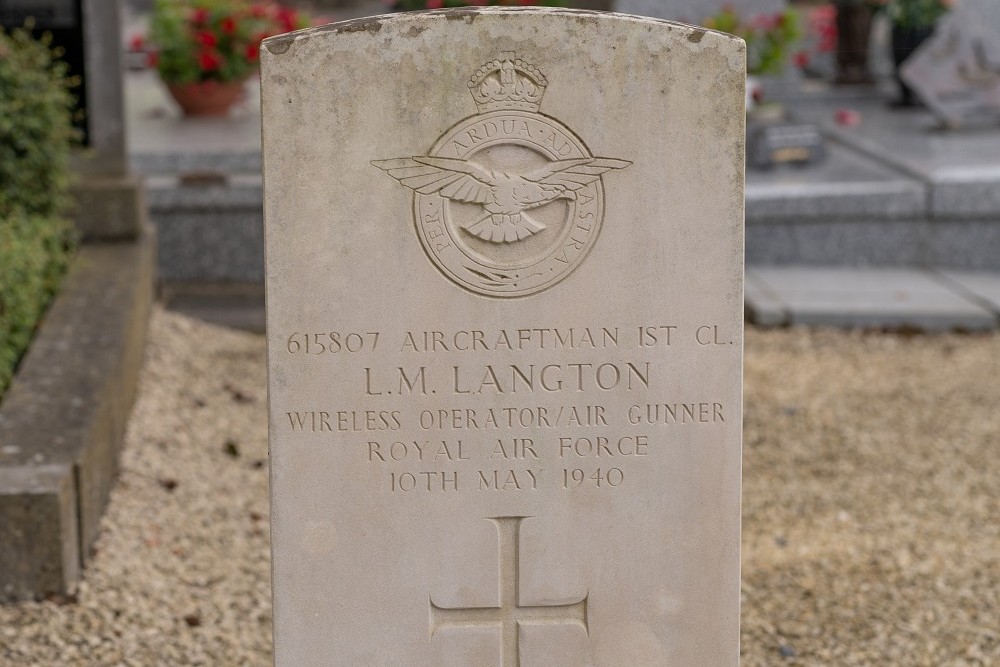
454,179
575,174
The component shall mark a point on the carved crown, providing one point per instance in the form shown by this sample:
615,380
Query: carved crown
507,83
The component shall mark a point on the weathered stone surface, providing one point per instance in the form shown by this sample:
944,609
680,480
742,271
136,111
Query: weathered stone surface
454,480
108,207
39,552
66,412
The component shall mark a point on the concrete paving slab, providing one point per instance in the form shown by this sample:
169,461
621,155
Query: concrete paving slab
871,298
981,287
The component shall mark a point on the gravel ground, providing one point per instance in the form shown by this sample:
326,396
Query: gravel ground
871,531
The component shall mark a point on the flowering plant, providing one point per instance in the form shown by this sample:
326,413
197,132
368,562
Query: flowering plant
769,37
408,5
914,13
195,41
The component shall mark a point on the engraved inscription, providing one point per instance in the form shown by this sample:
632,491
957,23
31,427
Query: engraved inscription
544,432
512,379
510,615
508,202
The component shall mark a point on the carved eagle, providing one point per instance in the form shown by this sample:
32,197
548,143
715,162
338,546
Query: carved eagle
505,196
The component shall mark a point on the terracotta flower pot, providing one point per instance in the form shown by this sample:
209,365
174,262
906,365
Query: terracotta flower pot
208,98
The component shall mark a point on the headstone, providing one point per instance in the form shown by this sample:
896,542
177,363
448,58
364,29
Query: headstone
89,33
504,321
956,72
696,11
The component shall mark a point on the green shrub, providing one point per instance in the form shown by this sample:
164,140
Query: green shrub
34,255
36,239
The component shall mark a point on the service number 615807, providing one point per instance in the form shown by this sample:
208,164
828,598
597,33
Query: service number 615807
331,342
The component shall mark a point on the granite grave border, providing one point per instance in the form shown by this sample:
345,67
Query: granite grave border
63,419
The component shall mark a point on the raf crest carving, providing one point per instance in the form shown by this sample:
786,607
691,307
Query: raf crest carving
509,201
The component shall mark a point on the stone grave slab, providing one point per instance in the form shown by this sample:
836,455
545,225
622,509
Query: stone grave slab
504,282
960,167
861,297
981,286
844,186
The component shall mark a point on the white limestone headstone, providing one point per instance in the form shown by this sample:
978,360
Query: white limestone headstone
504,316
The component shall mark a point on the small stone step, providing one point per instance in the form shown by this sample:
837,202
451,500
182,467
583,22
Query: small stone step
852,297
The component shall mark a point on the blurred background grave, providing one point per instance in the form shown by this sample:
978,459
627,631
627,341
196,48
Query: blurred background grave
957,71
88,33
844,178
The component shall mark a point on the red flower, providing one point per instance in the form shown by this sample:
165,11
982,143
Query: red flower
823,22
228,25
258,10
253,51
800,59
435,4
288,18
135,43
199,16
206,39
152,59
847,117
477,2
209,61
766,22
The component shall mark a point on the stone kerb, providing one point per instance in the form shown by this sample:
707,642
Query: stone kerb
109,199
62,421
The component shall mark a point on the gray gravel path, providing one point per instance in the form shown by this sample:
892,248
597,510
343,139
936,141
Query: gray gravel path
871,505
181,574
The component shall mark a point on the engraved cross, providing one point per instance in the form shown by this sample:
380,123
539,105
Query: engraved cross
510,615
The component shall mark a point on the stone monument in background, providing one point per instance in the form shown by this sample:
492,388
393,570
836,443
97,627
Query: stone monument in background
109,197
504,323
956,72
